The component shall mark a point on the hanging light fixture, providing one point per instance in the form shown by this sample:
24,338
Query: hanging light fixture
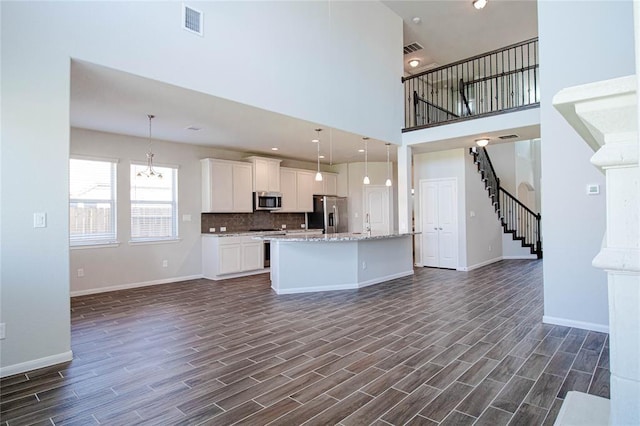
388,181
366,180
149,171
317,141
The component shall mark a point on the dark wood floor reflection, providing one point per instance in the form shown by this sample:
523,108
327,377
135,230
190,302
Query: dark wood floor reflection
441,347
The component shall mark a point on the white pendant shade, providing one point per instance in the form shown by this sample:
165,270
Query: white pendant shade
318,177
388,182
366,180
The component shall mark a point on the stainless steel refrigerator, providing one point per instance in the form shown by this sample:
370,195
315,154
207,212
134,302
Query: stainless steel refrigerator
330,214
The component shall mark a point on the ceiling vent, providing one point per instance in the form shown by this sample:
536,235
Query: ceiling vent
192,20
413,47
508,137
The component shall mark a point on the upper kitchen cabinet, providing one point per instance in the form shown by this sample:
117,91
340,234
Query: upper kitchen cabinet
328,185
266,174
226,186
297,190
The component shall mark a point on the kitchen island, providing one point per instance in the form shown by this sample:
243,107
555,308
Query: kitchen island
342,261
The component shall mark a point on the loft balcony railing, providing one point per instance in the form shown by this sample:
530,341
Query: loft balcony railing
504,80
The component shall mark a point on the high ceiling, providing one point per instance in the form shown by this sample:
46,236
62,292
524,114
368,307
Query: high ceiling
108,100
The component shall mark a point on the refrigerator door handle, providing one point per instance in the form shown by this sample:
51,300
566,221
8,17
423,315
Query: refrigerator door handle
335,213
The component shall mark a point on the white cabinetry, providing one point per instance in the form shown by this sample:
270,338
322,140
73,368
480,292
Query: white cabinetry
328,185
226,257
226,186
266,174
297,190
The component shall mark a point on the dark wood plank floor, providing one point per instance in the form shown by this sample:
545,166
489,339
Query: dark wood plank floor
441,347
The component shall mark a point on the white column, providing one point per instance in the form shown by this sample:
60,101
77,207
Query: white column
405,204
606,116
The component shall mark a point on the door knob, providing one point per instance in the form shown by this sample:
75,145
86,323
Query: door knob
435,229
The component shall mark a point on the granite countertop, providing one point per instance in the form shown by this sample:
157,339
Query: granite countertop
346,236
282,233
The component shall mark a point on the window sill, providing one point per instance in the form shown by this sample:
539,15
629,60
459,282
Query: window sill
94,245
150,242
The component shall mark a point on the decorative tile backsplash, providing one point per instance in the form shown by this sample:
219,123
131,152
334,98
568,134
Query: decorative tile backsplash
240,222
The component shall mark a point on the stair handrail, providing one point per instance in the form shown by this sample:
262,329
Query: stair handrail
417,98
531,237
518,202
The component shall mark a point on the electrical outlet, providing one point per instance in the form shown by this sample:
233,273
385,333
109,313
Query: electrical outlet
3,331
165,263
80,272
186,218
490,247
284,226
212,229
364,265
223,228
302,225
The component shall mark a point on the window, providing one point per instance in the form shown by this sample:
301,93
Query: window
92,202
154,204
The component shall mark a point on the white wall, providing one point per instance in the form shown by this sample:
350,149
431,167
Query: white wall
503,158
128,264
145,38
577,45
484,233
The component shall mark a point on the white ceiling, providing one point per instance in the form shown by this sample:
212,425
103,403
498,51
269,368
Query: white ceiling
113,101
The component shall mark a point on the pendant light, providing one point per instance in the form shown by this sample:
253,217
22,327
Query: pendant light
388,181
149,171
317,141
366,180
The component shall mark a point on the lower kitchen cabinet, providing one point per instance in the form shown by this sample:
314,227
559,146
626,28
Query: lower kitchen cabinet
227,257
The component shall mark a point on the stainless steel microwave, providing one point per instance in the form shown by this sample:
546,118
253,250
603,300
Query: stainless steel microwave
267,201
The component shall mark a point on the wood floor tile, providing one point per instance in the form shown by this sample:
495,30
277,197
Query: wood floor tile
340,410
480,398
232,351
544,391
411,405
528,415
494,417
444,403
513,394
456,418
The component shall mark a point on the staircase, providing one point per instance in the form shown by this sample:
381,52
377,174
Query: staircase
516,218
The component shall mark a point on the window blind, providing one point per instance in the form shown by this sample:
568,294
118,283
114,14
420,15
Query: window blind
92,202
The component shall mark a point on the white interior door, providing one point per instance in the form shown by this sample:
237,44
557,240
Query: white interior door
439,209
376,199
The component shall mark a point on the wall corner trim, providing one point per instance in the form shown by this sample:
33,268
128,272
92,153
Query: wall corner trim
601,328
47,361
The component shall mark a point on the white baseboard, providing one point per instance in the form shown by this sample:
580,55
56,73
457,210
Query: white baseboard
348,286
133,285
575,324
236,275
47,361
522,257
479,265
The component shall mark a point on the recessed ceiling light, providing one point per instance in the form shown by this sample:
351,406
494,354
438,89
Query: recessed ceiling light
361,150
414,63
320,156
274,149
416,20
479,4
482,142
194,128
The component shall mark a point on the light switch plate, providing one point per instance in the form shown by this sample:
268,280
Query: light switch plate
212,229
223,228
186,218
40,220
593,189
3,331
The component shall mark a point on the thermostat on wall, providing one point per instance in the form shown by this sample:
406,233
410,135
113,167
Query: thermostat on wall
593,189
